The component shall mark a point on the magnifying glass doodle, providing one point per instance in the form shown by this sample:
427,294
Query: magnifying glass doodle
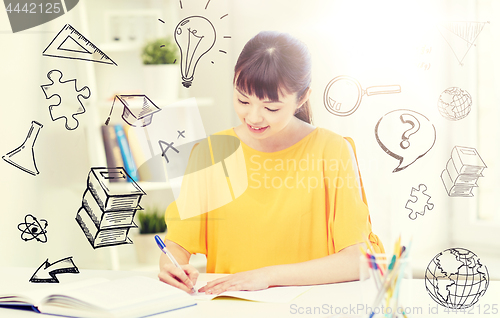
343,94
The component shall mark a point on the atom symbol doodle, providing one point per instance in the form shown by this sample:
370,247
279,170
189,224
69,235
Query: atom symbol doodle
32,229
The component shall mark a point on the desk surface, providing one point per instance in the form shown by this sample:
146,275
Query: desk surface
319,301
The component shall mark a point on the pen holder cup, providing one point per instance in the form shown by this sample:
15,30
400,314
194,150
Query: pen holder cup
376,274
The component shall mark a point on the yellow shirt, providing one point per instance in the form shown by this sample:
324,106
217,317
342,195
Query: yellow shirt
303,202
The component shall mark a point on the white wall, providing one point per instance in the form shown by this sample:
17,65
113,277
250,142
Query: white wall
366,41
379,43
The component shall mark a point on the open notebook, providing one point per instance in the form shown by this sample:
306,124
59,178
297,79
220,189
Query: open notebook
135,296
269,295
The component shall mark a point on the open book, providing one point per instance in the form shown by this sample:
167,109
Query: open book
135,296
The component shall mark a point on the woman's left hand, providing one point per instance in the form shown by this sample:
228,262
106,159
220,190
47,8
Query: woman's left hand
250,280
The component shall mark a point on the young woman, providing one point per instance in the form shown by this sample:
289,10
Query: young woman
304,210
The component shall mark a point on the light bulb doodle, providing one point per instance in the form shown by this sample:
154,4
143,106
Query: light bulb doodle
195,36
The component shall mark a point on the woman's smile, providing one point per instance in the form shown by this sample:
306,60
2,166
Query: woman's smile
257,129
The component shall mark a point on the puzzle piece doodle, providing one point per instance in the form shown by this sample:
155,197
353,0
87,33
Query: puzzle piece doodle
69,104
420,202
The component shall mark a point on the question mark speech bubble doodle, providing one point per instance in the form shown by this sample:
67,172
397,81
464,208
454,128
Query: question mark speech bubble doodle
415,126
405,135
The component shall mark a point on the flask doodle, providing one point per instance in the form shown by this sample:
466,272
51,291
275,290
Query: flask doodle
393,136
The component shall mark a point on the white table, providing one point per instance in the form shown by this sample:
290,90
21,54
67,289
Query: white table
328,299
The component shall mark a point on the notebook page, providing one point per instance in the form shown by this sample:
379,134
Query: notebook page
280,294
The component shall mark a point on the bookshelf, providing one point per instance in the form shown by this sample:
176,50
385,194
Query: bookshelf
98,107
103,113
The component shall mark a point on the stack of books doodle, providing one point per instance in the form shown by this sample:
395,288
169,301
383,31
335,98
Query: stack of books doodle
106,215
462,171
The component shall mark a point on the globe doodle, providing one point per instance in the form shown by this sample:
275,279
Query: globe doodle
454,103
456,279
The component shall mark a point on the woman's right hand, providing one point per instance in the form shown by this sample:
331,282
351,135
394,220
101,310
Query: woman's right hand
183,278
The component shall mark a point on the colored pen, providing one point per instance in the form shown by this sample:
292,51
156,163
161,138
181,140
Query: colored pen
162,247
393,260
403,250
390,279
404,253
391,266
373,266
368,244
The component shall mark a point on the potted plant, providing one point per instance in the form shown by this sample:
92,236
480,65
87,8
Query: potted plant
151,223
160,59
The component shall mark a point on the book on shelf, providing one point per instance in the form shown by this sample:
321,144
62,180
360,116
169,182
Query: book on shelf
146,169
134,296
128,159
143,166
111,148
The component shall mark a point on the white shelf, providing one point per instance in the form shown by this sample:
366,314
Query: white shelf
98,108
118,46
201,102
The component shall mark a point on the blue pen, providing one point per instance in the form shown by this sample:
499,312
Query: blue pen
162,247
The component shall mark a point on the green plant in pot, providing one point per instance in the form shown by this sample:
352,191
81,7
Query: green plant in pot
151,222
160,51
161,70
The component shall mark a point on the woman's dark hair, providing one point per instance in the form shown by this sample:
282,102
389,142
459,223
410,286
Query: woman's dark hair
272,63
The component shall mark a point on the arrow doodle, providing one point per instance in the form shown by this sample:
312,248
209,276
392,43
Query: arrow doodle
46,273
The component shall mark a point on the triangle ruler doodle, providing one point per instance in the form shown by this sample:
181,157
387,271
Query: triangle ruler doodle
70,44
460,36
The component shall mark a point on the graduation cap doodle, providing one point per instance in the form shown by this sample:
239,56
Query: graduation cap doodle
138,110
